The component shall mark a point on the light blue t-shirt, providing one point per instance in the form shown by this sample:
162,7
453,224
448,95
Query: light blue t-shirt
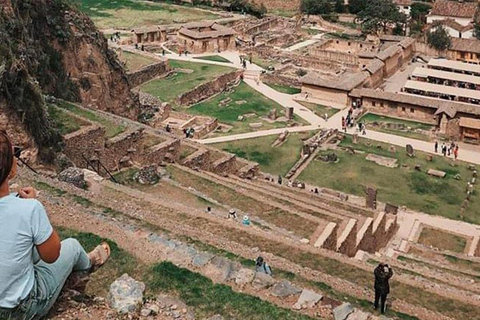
23,224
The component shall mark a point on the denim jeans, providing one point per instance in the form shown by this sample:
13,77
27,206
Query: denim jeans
49,281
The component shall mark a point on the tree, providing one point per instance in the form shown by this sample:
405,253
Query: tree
356,6
398,30
339,6
379,15
316,6
439,38
418,10
476,30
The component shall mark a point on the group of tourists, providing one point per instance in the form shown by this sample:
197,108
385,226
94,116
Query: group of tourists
349,122
115,37
448,149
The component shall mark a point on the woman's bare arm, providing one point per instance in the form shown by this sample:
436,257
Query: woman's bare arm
50,249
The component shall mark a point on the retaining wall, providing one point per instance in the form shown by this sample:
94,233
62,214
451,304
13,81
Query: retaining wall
148,73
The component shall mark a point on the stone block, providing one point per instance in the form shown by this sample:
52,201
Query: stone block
342,311
307,299
284,289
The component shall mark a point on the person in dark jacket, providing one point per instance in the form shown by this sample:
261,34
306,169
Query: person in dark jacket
383,273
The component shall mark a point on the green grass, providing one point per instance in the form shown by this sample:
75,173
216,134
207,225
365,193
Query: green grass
378,123
400,186
209,299
284,89
169,88
48,188
319,109
263,63
474,266
82,201
111,129
251,102
274,160
64,122
215,58
125,176
129,14
135,61
120,261
442,240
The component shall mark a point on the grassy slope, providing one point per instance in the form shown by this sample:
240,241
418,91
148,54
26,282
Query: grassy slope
284,89
274,160
63,122
400,186
135,61
319,109
169,88
215,58
209,298
132,13
111,129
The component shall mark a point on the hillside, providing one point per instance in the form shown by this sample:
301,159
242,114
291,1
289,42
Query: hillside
51,48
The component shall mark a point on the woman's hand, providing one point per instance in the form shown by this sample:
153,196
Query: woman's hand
27,193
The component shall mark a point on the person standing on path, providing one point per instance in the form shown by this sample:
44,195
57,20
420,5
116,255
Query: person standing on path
436,146
455,152
382,273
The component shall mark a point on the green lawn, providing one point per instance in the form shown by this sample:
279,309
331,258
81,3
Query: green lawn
442,240
284,89
135,61
64,122
319,109
111,129
401,185
129,14
169,88
274,160
244,100
215,58
380,123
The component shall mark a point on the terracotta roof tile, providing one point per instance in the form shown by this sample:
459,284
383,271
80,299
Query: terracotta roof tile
454,9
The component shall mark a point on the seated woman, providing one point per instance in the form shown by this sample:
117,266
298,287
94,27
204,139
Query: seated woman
34,264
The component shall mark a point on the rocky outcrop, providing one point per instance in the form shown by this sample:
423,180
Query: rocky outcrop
51,48
126,294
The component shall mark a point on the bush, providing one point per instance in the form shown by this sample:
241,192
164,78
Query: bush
249,8
316,7
439,38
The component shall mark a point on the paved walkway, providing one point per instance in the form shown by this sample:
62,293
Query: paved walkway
302,44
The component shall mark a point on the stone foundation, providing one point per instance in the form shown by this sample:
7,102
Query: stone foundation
148,73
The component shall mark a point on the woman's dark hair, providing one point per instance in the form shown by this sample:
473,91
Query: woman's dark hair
6,156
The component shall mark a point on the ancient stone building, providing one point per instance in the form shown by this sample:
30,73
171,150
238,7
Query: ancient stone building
201,37
150,34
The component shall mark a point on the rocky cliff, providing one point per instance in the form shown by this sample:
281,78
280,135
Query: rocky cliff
48,47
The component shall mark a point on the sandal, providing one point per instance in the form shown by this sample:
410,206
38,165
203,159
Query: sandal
99,255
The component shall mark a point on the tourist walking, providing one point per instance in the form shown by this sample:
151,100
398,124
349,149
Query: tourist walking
382,273
35,265
344,125
436,146
455,152
232,214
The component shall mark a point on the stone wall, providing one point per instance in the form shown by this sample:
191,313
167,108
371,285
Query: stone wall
389,108
281,80
327,95
198,160
453,129
165,151
122,148
225,165
206,90
148,73
88,141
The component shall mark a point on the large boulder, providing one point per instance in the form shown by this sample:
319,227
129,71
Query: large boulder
244,276
147,175
342,311
358,315
308,299
73,176
284,289
219,269
262,281
126,294
201,259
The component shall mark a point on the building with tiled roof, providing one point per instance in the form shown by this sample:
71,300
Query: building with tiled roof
454,29
461,12
200,37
